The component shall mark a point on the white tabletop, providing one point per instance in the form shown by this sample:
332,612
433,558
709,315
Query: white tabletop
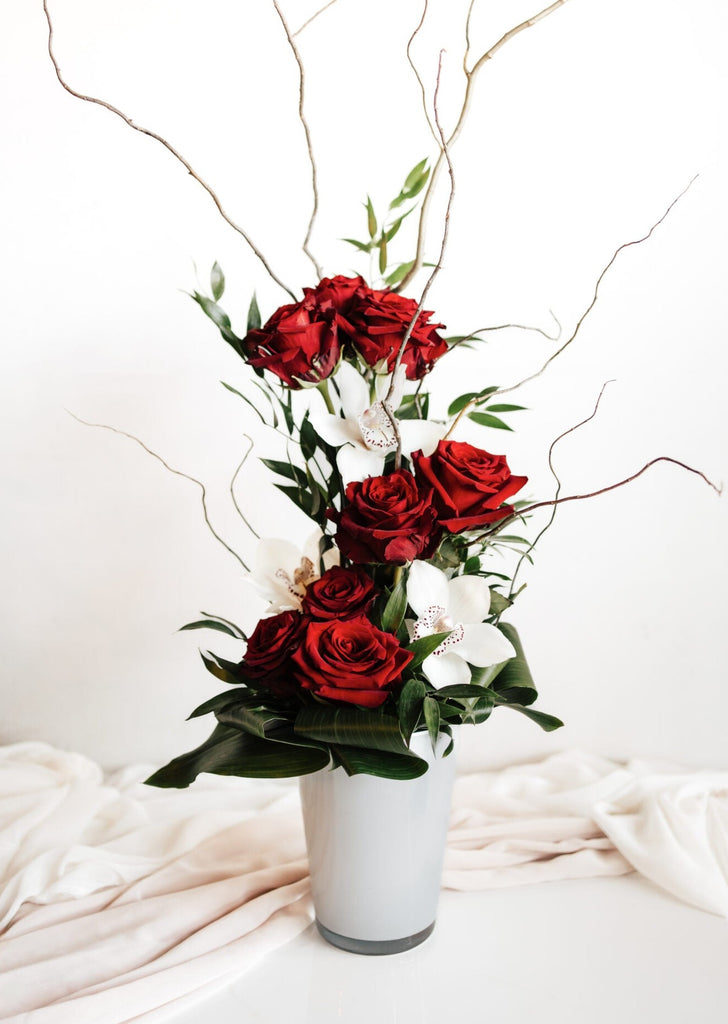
586,951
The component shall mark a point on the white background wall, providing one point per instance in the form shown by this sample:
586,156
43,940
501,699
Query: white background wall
582,131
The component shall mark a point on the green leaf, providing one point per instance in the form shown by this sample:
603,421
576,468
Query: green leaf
251,720
464,691
287,470
459,404
254,320
221,320
514,682
217,281
499,602
309,438
382,763
472,564
251,404
416,175
506,408
221,700
382,254
399,273
221,627
431,710
547,722
395,608
352,727
221,669
371,219
486,420
361,246
228,751
409,706
425,646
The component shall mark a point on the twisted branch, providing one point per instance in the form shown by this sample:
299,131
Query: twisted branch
470,76
232,487
158,138
313,18
307,133
170,469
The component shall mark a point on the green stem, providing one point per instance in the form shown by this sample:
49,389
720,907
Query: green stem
323,388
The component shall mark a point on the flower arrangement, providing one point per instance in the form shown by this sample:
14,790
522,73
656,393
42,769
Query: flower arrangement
394,619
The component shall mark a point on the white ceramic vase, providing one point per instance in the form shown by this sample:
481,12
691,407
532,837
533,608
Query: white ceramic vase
375,849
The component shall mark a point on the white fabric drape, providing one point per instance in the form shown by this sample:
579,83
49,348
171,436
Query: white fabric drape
119,901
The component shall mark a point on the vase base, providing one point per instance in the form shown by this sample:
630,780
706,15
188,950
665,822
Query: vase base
367,947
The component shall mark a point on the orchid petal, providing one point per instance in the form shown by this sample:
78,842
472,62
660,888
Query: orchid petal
420,435
357,463
335,430
353,390
484,645
446,670
469,599
426,586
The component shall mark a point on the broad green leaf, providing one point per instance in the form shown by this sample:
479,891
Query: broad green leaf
352,727
409,706
425,646
382,763
472,564
253,720
309,439
514,682
228,751
221,627
217,281
464,691
499,602
254,320
486,420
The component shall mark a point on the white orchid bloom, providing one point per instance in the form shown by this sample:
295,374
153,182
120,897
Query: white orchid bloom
282,571
460,605
364,434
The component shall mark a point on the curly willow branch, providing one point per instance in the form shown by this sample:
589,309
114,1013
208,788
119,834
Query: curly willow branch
313,17
307,133
435,271
170,469
584,315
232,487
471,77
556,477
158,138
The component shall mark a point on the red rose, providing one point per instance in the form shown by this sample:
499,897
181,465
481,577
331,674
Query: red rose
350,661
299,343
470,485
387,519
378,321
335,292
269,650
339,594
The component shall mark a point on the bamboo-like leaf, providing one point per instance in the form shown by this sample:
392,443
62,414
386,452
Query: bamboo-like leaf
221,627
399,273
361,246
220,318
395,608
371,219
254,407
431,711
425,646
547,722
417,173
409,706
382,763
459,403
287,470
254,319
217,281
382,254
506,408
486,420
